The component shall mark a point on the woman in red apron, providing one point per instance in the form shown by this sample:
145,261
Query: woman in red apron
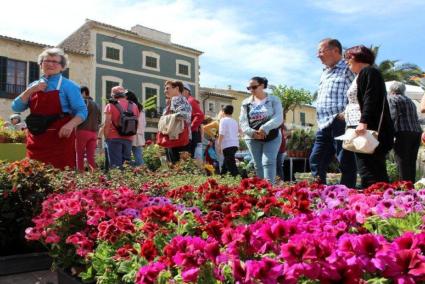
53,96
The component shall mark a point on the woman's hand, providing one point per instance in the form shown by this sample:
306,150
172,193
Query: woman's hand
361,128
39,87
66,130
259,134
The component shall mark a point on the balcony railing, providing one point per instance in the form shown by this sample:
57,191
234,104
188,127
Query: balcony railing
154,113
12,90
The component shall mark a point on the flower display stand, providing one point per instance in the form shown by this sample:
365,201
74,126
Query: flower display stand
12,151
20,263
66,278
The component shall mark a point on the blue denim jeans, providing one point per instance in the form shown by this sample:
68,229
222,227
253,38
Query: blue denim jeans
119,151
138,155
324,149
264,155
279,165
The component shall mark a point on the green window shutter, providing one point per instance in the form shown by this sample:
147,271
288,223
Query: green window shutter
65,73
3,73
34,73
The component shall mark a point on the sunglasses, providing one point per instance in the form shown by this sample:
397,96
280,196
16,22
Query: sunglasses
252,87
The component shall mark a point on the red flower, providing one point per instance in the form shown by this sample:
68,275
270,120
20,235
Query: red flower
149,250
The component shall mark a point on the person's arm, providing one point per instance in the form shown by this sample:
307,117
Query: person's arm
243,122
276,120
423,104
20,103
371,81
77,106
197,115
182,108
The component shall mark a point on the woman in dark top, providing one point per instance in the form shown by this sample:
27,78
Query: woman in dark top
372,97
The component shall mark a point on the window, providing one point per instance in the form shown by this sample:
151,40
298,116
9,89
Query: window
302,118
112,52
183,68
150,96
16,77
108,82
211,107
150,60
109,86
34,72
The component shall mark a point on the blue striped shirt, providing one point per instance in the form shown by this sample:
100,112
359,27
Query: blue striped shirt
331,97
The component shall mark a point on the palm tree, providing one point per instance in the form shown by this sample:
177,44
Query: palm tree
392,71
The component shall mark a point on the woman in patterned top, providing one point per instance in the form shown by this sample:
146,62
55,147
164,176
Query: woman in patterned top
177,104
260,119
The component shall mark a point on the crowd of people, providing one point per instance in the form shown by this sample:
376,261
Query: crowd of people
65,124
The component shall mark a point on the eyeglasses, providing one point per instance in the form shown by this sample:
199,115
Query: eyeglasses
249,88
321,51
51,62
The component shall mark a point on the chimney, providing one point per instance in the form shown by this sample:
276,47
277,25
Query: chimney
152,34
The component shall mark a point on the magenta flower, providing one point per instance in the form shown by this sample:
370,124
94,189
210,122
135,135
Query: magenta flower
148,274
408,267
371,252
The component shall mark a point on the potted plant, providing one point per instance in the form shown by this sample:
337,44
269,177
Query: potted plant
23,187
300,142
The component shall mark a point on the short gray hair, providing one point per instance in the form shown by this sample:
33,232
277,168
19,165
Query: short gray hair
398,88
54,51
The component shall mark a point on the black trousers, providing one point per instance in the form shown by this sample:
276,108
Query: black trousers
406,147
371,168
229,163
196,138
173,154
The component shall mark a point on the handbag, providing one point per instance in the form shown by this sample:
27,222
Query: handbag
164,140
37,124
365,144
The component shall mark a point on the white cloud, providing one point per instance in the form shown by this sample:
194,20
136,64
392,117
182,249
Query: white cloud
367,7
232,53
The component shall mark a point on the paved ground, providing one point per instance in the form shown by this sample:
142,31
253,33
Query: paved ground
36,277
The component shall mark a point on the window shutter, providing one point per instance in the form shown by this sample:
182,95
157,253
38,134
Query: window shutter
3,73
34,73
65,73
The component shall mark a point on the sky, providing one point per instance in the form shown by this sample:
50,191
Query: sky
243,38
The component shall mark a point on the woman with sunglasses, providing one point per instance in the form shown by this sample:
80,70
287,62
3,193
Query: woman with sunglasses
260,119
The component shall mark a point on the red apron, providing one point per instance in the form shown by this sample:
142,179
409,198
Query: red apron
48,147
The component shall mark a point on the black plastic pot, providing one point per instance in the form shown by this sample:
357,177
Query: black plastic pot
66,278
21,263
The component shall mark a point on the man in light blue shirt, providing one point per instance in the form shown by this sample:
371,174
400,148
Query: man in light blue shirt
331,101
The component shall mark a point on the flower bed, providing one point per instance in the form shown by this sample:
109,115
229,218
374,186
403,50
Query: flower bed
245,233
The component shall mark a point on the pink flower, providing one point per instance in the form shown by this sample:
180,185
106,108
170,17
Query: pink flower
148,274
51,237
408,267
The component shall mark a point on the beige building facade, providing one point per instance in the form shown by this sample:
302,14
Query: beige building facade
19,67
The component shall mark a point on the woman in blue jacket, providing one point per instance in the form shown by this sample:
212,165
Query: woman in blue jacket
260,119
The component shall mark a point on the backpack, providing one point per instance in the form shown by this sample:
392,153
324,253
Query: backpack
128,122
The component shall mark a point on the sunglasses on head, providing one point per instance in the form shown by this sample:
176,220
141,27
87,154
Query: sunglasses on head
252,87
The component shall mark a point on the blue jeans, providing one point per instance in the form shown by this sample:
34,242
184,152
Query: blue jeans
264,156
279,165
119,151
324,149
138,155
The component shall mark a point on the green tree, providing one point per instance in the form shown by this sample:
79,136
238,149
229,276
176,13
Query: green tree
393,71
291,97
